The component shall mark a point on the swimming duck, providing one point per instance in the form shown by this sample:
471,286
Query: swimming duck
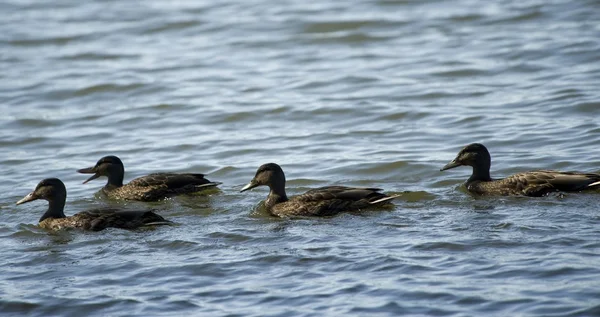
151,187
53,190
535,183
323,201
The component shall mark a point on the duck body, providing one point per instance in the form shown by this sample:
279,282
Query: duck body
100,219
151,187
158,186
53,190
322,201
328,201
534,183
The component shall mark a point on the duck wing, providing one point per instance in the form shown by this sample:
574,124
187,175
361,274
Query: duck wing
330,200
157,186
170,180
540,183
341,193
570,181
100,219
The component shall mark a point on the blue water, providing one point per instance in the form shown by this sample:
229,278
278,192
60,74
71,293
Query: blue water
365,93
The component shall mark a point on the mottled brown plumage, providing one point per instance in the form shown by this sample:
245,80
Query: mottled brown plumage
151,187
535,183
323,201
53,190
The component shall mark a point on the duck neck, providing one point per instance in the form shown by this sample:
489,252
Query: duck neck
115,180
56,208
481,172
276,195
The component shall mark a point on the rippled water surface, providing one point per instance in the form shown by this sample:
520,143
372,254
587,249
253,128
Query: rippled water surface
366,93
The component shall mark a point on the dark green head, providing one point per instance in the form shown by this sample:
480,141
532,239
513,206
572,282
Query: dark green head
474,154
109,166
50,189
269,174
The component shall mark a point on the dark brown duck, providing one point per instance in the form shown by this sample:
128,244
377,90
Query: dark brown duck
151,187
323,201
53,190
535,183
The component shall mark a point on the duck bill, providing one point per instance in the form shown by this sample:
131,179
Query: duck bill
89,170
249,186
450,165
30,197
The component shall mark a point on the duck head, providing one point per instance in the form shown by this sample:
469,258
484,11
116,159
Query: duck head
269,174
50,189
474,154
109,166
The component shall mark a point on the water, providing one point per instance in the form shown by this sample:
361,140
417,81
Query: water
368,93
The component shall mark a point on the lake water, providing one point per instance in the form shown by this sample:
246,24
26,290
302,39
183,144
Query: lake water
367,93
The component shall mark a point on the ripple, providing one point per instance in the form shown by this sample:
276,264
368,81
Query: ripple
588,107
59,40
349,38
19,307
97,56
173,26
35,123
337,26
106,88
460,73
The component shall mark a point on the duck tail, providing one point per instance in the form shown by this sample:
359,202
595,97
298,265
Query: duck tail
594,184
384,200
159,223
208,185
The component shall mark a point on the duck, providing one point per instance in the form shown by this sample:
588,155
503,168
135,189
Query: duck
54,191
534,183
322,201
152,187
